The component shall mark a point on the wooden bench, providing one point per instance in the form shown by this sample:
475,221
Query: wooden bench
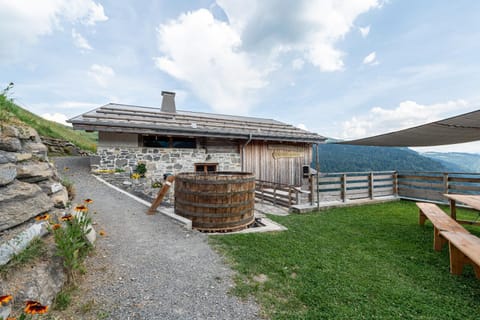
440,220
464,249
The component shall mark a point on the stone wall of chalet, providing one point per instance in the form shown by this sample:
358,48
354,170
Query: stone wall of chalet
162,160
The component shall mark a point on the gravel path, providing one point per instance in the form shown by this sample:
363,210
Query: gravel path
149,267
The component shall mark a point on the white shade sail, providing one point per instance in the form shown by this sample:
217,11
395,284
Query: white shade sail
458,129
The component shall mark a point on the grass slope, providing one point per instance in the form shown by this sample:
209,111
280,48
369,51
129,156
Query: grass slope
9,111
366,262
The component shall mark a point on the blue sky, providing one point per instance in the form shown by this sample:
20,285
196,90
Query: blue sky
344,69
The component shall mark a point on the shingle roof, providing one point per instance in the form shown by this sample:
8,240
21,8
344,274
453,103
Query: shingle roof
136,119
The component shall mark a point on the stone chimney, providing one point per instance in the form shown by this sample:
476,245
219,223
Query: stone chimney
168,101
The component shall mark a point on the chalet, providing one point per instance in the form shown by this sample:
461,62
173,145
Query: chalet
172,141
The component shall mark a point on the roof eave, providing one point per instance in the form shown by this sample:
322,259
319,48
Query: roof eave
146,129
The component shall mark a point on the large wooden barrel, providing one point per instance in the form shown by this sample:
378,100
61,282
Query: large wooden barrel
216,201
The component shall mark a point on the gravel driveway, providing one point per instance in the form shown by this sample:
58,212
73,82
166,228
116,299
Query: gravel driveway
149,267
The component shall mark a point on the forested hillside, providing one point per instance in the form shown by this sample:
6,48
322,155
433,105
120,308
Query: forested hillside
346,158
464,162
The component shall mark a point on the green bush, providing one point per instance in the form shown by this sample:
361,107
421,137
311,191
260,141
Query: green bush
141,169
72,244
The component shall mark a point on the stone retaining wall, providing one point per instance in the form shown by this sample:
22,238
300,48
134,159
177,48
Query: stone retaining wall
29,184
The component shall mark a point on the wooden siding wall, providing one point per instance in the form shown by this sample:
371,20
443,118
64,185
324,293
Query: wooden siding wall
284,167
117,139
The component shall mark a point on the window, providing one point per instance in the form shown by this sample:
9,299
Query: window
206,167
169,142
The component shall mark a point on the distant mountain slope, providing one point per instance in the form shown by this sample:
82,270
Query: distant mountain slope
11,112
346,158
465,162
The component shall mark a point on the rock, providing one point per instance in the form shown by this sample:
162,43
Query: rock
28,133
21,201
9,131
34,171
21,241
50,186
23,156
6,157
36,148
8,172
60,198
57,186
42,285
5,311
10,144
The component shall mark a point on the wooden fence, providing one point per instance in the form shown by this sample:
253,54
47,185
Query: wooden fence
277,193
432,185
343,186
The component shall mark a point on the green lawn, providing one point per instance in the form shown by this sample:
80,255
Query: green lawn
365,262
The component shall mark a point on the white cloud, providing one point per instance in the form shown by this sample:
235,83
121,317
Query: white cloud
371,59
79,41
310,28
22,23
406,115
206,54
364,31
297,64
302,126
57,117
216,58
101,74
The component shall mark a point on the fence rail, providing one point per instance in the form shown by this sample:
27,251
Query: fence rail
432,185
277,193
429,186
343,186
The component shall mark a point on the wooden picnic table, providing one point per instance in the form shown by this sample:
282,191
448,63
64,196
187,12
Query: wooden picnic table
472,201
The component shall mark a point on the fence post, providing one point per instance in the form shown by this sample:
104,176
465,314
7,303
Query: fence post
262,189
310,196
445,182
370,185
395,184
289,196
344,187
274,194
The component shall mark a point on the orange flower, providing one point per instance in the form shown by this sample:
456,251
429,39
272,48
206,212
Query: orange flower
88,201
102,233
67,217
81,208
43,217
56,226
5,299
31,303
34,307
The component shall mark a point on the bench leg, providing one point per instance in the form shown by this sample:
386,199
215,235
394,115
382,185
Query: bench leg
421,217
457,260
477,271
438,240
